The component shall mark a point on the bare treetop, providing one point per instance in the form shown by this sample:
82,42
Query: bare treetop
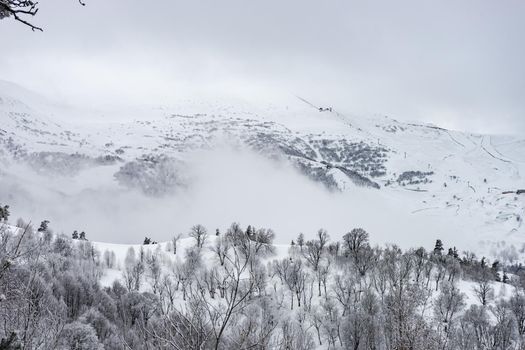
20,9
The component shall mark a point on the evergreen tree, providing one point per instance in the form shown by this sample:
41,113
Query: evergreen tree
496,277
75,234
44,226
82,236
495,268
438,249
4,212
249,231
483,263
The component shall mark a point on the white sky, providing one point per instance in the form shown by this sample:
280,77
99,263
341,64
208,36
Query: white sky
458,64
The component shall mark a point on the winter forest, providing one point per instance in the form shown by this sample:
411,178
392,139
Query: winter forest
262,175
237,290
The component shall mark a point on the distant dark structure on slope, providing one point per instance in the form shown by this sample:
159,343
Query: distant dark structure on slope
522,191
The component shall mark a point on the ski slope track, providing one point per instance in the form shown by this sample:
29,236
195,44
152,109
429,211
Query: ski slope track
406,183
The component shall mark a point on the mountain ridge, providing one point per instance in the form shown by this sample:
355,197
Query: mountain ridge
426,168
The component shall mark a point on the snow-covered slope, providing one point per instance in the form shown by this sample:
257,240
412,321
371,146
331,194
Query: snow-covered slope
405,182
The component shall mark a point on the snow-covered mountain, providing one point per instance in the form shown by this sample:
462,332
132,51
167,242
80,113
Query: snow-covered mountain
406,181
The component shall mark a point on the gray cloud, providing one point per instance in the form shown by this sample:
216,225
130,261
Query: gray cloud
454,63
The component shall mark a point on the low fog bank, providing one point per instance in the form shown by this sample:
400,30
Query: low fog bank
226,185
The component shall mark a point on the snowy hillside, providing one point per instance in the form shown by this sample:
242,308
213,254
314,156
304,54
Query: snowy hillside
404,182
236,290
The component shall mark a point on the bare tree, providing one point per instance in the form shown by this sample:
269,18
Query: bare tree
186,271
439,274
322,275
505,327
313,253
175,241
345,290
364,260
184,329
295,278
332,323
238,289
355,240
323,237
13,247
18,8
317,320
448,304
109,259
221,249
420,257
300,241
294,335
517,306
263,240
154,272
475,329
255,329
199,233
483,288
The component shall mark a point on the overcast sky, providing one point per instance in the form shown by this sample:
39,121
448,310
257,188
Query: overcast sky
459,64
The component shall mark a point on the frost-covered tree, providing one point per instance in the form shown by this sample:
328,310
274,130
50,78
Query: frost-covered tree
200,234
79,336
483,288
448,304
221,249
315,249
300,241
237,295
174,241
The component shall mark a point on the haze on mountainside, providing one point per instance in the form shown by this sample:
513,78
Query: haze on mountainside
292,167
214,89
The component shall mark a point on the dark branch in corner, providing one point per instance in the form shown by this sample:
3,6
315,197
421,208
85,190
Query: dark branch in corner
16,8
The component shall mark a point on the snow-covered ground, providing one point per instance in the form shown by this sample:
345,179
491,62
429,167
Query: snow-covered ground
501,291
239,164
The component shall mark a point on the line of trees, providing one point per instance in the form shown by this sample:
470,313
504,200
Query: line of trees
231,292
